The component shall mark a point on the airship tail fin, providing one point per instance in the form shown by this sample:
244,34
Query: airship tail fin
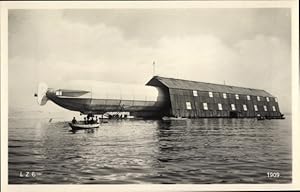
41,94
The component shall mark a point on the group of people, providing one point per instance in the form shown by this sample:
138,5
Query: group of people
87,120
90,120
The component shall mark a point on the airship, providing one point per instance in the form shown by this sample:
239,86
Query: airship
97,98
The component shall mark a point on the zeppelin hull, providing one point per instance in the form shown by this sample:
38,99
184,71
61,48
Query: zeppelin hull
100,106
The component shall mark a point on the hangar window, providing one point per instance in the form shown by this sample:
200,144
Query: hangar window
224,95
220,106
245,107
258,98
233,107
58,93
195,93
276,100
268,99
237,96
255,108
274,108
265,108
188,105
205,107
210,94
248,97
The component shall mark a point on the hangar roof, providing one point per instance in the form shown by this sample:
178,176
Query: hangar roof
201,86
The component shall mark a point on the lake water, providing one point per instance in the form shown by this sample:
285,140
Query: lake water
197,151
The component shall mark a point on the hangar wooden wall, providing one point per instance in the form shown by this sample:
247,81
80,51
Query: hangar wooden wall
180,97
186,99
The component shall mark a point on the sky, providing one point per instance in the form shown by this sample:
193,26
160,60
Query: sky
243,47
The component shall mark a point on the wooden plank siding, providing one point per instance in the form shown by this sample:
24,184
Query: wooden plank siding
180,97
179,92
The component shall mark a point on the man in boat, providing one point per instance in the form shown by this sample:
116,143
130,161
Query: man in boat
74,120
91,121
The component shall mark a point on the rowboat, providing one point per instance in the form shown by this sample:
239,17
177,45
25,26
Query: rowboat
76,126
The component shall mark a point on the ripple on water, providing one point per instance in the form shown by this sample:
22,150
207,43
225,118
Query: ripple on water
134,151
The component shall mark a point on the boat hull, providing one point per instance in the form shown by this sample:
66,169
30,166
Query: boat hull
77,126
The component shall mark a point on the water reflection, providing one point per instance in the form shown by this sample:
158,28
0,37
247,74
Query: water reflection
136,151
92,130
205,145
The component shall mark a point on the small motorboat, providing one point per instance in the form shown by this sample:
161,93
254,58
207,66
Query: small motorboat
104,121
82,125
282,116
259,117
